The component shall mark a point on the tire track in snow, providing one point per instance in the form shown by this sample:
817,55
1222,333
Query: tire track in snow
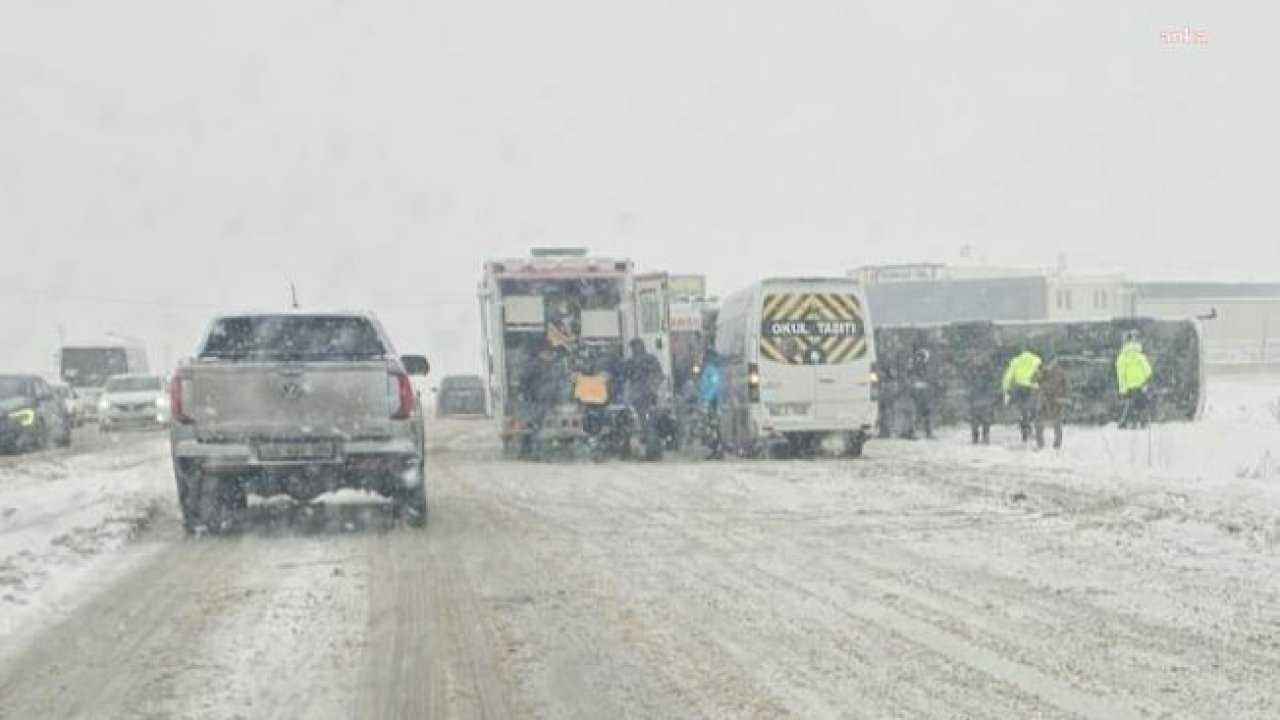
941,638
626,665
102,660
918,584
810,648
432,650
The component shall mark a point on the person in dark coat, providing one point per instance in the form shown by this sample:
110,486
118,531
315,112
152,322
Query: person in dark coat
921,388
886,398
643,381
1055,401
542,384
982,387
643,376
615,364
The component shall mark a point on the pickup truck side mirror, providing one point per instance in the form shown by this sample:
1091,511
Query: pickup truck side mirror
415,364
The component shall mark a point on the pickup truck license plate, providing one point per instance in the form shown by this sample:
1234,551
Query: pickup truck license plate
310,450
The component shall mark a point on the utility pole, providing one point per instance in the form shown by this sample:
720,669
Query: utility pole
293,292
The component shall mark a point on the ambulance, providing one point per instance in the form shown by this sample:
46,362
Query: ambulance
557,298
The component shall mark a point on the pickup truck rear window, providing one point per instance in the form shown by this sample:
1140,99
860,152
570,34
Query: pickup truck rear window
293,337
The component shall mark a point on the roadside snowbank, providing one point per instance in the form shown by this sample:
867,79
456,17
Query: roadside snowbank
64,521
1227,464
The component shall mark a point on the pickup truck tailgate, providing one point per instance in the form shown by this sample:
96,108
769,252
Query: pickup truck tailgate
251,400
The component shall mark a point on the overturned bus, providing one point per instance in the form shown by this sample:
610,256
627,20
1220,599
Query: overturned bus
1086,350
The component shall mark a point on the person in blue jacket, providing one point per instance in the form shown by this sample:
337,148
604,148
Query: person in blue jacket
710,393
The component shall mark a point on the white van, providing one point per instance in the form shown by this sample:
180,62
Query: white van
797,355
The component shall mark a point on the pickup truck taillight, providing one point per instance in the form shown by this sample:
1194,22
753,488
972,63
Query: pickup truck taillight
176,408
404,396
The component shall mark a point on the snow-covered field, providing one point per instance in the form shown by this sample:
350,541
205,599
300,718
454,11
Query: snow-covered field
1132,575
1225,469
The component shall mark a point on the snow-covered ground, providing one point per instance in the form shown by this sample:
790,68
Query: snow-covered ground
1224,469
1134,574
67,519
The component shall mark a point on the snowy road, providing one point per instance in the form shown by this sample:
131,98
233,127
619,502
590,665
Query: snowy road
1132,576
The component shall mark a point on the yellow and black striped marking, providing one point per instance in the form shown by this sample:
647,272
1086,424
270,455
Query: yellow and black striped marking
812,329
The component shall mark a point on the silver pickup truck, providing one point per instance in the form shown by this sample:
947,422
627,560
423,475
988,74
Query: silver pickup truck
296,404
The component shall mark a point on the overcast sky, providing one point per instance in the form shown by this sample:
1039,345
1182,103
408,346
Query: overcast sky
161,161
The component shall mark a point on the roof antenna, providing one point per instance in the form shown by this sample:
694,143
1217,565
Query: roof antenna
293,293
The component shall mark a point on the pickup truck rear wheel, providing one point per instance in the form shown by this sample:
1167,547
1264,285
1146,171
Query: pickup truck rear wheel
208,502
188,494
218,504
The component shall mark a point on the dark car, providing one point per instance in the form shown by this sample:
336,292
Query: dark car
461,396
32,415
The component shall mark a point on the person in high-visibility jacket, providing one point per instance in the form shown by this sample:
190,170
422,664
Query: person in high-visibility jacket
1133,375
1020,389
562,328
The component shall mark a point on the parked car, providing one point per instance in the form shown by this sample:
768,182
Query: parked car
32,415
461,396
133,401
296,404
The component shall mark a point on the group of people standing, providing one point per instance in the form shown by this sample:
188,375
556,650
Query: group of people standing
1041,393
1038,390
552,377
